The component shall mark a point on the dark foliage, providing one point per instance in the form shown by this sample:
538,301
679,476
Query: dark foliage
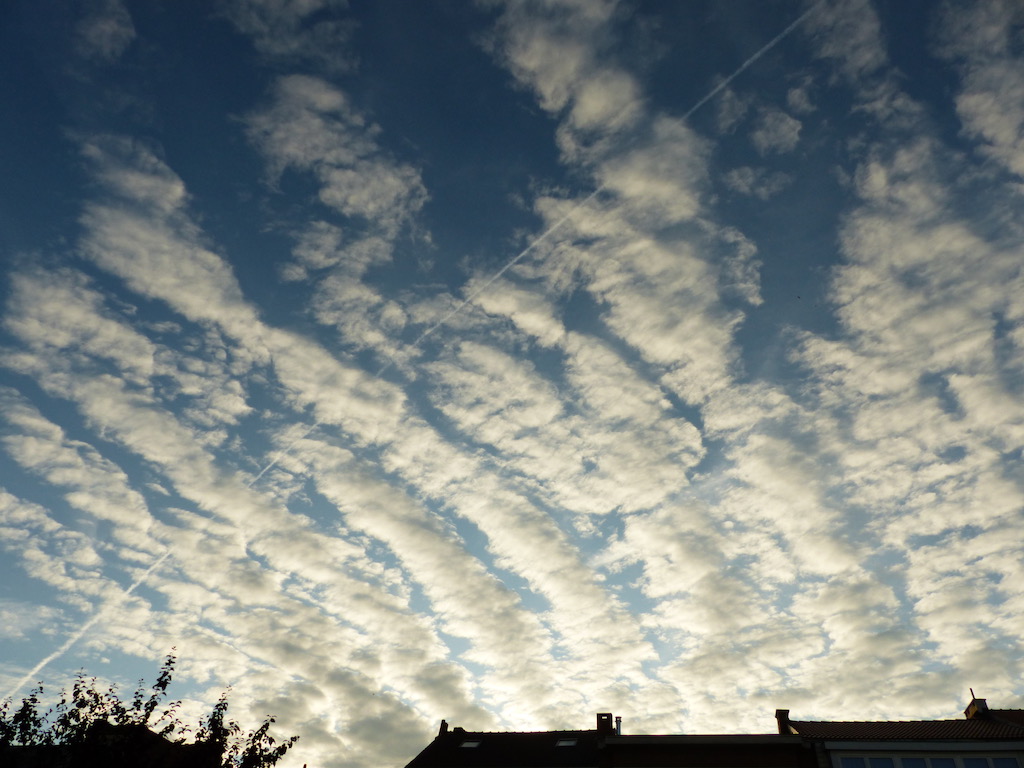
69,721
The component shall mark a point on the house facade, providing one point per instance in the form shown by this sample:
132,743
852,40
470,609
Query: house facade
983,739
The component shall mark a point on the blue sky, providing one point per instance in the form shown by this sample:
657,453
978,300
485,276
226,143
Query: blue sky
514,361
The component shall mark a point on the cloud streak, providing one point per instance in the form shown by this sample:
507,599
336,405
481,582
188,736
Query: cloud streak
536,394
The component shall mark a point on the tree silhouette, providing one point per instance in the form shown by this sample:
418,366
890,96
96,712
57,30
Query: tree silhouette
88,709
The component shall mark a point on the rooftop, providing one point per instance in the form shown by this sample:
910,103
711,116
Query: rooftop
792,747
980,722
552,749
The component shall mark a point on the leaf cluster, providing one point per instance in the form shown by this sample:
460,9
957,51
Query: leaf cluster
255,749
69,720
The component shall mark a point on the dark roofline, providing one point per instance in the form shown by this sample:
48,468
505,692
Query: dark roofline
461,732
974,729
604,745
705,738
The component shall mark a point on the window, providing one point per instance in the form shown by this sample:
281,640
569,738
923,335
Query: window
470,743
927,761
870,762
565,743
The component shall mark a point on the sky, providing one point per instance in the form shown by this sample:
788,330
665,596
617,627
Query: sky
513,361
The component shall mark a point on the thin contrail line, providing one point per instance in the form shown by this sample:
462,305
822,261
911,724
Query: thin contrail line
557,225
391,361
537,241
286,451
546,233
77,635
427,333
743,67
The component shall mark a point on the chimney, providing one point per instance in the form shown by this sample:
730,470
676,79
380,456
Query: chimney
977,709
604,723
618,725
444,728
782,717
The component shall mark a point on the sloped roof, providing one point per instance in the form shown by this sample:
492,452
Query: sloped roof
507,749
1005,724
790,748
708,751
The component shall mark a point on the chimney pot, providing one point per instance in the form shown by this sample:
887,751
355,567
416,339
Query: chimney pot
604,722
444,728
782,717
978,708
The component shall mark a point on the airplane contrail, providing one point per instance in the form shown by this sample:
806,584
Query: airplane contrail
558,224
286,451
77,635
743,67
74,638
391,361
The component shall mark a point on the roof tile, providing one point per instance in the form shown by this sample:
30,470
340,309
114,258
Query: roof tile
1000,724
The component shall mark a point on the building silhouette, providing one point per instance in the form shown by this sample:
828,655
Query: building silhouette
985,738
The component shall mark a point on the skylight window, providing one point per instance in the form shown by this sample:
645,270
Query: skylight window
470,743
565,743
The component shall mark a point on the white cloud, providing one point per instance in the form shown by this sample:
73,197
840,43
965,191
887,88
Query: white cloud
915,408
310,126
553,52
20,619
776,132
660,182
52,553
848,33
59,311
370,191
730,108
798,98
106,31
571,472
211,551
757,182
980,38
530,310
295,30
309,122
562,54
93,484
142,234
211,555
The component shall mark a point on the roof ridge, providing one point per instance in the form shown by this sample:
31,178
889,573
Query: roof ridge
463,731
943,720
